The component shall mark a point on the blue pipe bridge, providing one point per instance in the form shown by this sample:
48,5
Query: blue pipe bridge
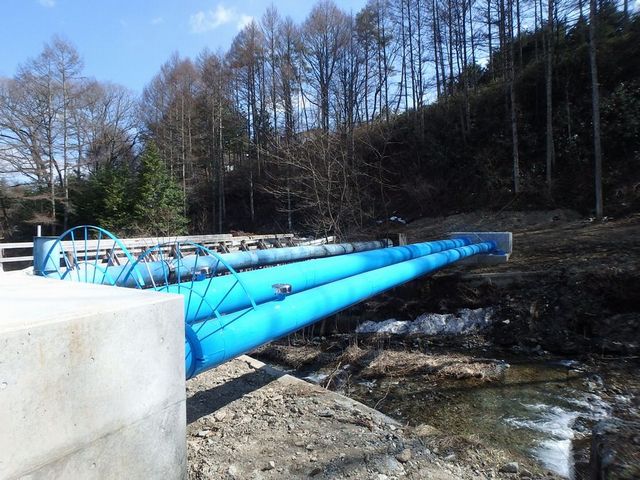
235,302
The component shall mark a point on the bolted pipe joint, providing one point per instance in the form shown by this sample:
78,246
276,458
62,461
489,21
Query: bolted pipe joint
281,290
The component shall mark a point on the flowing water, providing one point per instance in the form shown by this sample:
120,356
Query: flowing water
543,410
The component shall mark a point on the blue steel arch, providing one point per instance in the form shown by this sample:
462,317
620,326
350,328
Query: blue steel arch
75,265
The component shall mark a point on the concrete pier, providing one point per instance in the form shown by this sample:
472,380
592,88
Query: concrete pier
91,381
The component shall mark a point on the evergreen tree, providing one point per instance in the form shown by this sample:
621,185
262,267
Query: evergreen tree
104,199
114,184
158,201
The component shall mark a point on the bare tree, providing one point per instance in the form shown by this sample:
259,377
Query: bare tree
328,187
289,71
270,26
106,127
216,103
168,111
56,124
246,58
325,35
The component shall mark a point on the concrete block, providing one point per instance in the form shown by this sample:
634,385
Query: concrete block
91,381
503,240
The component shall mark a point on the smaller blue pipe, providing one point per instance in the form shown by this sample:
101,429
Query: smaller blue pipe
148,274
259,258
144,274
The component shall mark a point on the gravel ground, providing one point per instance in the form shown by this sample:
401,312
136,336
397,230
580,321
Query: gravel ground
247,420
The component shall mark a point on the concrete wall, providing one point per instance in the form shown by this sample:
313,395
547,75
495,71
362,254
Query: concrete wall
91,381
503,240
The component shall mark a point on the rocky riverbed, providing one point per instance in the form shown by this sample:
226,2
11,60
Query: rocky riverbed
537,408
247,420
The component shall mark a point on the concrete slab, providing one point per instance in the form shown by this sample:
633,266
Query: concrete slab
503,240
91,381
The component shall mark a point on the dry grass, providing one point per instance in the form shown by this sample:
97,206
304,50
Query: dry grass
377,363
353,355
294,357
381,363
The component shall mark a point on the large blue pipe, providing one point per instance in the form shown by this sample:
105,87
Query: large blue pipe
224,295
217,340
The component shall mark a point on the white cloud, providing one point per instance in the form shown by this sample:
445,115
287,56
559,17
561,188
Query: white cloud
245,20
205,21
157,20
201,22
47,3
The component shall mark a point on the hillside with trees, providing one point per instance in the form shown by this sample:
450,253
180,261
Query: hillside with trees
409,107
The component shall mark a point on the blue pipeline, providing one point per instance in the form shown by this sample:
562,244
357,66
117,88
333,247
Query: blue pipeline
217,340
144,274
224,295
148,274
259,258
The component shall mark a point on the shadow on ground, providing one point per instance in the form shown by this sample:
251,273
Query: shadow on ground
205,402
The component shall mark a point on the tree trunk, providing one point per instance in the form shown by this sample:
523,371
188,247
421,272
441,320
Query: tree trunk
567,103
414,92
489,36
419,40
595,102
450,46
550,150
215,170
512,95
221,169
252,207
403,70
435,46
65,156
51,159
472,37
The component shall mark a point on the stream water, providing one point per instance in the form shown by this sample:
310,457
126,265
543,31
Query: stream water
540,409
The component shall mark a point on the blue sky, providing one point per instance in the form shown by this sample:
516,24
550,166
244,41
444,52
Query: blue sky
126,41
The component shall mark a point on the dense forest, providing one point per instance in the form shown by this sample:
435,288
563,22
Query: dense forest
407,107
